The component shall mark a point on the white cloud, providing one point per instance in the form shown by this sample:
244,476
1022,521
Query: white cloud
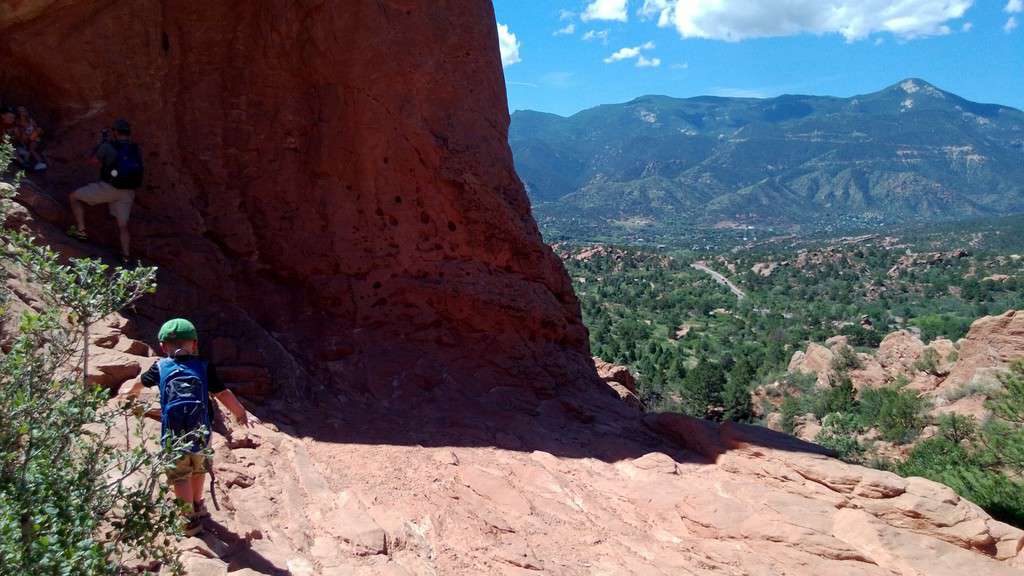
601,35
643,62
681,66
1014,6
853,19
509,45
1010,25
879,41
627,53
566,15
569,29
967,27
606,10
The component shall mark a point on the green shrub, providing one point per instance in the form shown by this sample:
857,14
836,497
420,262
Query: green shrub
928,362
71,502
958,428
840,397
845,360
897,413
947,462
839,434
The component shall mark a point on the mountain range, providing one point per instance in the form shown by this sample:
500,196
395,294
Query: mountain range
908,152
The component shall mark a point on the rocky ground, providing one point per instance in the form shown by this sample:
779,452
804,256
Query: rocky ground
520,485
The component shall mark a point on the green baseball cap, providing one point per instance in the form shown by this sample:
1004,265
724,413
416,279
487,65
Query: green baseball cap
178,329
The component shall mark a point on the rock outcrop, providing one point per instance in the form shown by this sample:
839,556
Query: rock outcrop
990,345
620,380
331,182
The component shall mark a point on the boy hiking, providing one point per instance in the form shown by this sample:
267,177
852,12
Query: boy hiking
186,383
121,174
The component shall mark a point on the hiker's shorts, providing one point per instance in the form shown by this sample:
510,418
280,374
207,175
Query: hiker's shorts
120,201
187,466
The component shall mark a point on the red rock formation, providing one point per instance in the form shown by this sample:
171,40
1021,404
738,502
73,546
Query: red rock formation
330,181
989,347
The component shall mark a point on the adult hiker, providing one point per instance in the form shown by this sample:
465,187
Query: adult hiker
121,173
186,383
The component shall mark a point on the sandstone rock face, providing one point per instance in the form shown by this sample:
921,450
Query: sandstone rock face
991,344
621,380
329,183
816,360
899,350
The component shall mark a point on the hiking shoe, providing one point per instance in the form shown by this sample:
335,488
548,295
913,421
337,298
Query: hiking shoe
200,510
40,166
193,527
77,234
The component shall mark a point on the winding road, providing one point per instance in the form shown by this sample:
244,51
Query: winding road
740,294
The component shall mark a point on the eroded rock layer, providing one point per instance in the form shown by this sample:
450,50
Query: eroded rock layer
331,180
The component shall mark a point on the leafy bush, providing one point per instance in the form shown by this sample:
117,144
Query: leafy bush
839,434
968,474
928,362
839,398
845,360
71,502
958,428
897,413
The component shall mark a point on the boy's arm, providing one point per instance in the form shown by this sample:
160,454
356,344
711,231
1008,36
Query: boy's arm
228,399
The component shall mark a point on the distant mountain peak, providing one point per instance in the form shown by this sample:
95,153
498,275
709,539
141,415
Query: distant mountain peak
919,87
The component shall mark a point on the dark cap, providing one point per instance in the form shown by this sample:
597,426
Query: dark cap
121,125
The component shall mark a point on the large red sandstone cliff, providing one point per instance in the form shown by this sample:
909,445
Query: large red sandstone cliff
330,180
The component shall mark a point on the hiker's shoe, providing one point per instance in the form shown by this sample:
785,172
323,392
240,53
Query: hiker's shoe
40,166
78,234
193,527
200,510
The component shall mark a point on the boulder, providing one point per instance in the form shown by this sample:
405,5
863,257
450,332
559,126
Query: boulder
990,345
899,351
816,360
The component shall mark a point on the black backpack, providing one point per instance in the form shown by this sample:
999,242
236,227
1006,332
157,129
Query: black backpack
126,172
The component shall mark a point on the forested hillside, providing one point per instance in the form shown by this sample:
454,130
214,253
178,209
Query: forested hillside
908,152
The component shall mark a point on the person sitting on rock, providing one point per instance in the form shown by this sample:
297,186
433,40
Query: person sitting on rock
28,137
121,173
186,383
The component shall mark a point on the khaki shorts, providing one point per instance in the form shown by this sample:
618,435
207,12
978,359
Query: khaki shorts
120,201
186,467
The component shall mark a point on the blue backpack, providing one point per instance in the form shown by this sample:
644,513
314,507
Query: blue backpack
126,173
184,401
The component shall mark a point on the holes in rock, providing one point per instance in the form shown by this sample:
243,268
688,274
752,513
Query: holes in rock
452,226
398,199
378,212
387,160
424,218
376,285
165,42
392,220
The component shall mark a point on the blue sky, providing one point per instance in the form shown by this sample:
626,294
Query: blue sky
564,56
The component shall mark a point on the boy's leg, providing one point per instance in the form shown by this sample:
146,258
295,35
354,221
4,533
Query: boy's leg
183,491
197,490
